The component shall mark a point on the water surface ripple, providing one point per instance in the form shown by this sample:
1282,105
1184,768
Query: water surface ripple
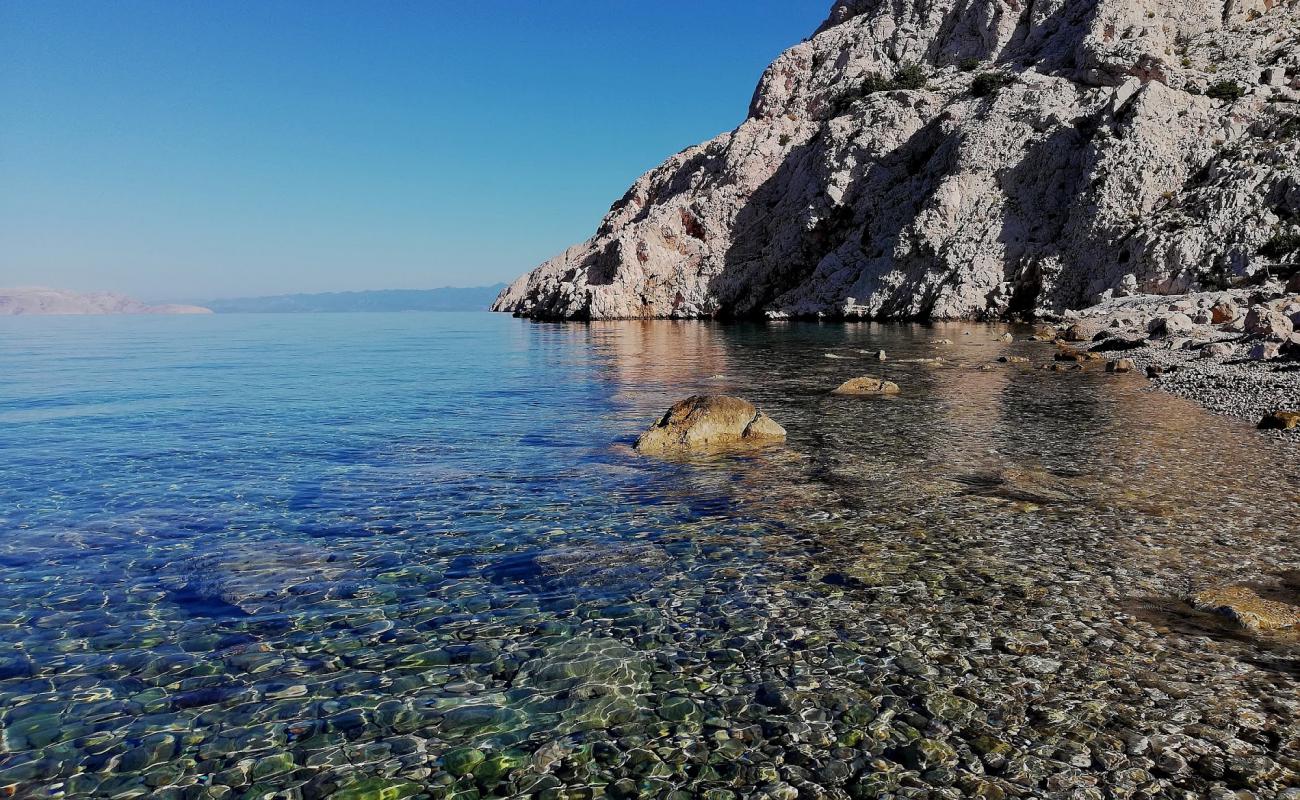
412,555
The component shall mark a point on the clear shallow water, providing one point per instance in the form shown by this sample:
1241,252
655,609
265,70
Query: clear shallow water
412,555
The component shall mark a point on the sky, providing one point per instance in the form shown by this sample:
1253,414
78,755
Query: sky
187,150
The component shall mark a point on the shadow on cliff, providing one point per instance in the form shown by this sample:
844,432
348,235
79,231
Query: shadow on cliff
1039,190
790,225
1041,216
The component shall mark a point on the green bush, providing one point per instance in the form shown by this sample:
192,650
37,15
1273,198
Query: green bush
1280,245
911,76
1225,90
969,64
989,83
875,82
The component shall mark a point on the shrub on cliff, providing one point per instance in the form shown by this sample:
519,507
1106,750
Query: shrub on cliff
989,83
1281,245
1225,90
910,76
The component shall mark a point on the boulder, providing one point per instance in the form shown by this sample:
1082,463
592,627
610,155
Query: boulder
1264,321
1280,421
1120,342
1013,359
1077,333
1237,325
866,387
1066,353
1176,324
1216,350
705,422
1122,365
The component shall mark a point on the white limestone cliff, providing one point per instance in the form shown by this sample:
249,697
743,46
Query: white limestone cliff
967,158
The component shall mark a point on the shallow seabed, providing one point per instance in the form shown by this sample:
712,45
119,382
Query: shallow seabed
388,556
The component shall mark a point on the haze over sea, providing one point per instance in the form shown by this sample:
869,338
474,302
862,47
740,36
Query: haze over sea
408,555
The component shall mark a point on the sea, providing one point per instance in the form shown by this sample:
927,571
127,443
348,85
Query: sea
396,555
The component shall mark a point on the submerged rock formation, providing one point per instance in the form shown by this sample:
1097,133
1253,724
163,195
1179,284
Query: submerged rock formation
966,159
1245,607
34,301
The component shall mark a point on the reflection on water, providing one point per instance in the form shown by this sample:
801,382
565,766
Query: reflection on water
385,556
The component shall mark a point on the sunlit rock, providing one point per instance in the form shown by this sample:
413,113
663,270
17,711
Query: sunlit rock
705,422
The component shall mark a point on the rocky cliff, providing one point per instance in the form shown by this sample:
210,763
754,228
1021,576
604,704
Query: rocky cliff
968,158
33,301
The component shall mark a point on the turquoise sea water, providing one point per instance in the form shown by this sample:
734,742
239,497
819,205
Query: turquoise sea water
407,555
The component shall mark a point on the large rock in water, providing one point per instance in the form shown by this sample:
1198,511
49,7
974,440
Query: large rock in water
706,422
866,386
1042,155
1246,608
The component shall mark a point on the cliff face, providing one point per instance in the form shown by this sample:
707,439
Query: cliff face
962,158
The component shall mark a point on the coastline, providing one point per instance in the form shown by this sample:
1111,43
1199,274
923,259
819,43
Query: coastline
1235,352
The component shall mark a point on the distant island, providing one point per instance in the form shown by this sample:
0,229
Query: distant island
43,301
475,298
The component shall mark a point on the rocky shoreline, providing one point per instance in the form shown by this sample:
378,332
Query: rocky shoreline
1236,352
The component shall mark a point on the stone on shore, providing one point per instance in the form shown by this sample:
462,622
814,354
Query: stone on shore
1264,321
1122,365
1066,353
1223,312
704,422
866,386
1176,324
1076,333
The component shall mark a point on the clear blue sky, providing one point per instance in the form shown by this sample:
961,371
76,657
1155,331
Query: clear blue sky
175,149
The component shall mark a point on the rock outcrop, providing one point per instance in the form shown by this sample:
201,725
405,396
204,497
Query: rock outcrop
35,301
866,386
709,422
968,159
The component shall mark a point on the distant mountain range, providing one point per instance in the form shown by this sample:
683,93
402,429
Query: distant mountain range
42,301
476,298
